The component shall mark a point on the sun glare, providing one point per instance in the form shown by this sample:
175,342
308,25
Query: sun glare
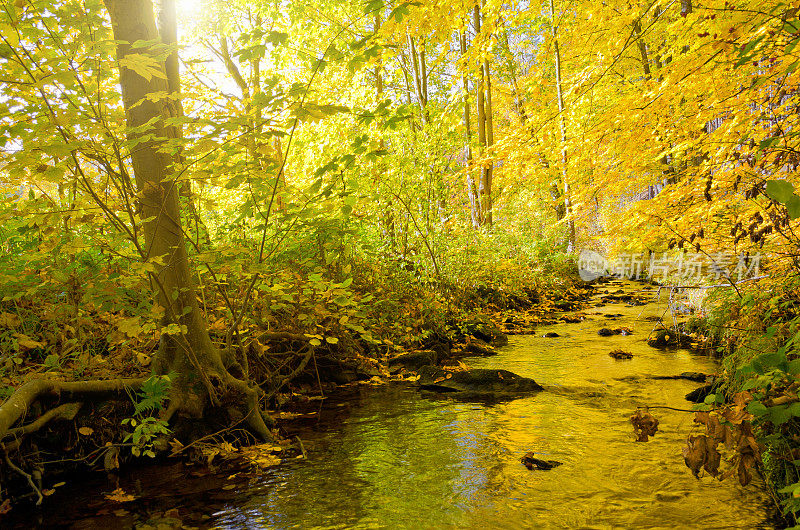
188,11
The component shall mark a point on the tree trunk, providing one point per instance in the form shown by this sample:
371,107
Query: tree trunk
387,217
563,129
481,105
486,184
416,66
168,30
186,348
471,188
637,34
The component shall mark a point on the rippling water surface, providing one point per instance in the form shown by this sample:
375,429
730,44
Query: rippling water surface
400,459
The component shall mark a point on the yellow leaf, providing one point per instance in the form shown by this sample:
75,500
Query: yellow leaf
143,358
143,65
26,343
130,326
9,320
119,495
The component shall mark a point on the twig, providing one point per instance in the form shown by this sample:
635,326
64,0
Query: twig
302,448
664,407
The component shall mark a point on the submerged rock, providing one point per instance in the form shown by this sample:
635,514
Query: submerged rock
698,377
620,354
699,395
531,462
665,338
551,335
477,382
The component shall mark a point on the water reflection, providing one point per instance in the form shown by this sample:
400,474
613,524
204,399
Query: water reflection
399,459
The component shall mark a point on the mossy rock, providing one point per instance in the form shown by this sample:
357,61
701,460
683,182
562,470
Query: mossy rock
666,338
477,382
415,360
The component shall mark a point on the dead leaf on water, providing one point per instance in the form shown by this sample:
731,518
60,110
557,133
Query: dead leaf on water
119,495
644,425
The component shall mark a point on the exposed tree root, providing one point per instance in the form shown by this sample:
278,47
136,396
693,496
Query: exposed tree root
28,477
16,406
67,411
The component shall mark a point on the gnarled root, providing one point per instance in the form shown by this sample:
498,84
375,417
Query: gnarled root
16,406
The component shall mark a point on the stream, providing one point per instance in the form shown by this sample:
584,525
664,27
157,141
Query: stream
395,457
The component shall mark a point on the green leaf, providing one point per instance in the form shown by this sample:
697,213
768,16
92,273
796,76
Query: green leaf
236,181
744,54
756,408
780,190
793,207
794,367
277,38
779,415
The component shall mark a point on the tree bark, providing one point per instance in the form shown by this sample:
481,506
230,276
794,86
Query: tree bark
481,106
471,188
168,30
637,34
417,66
563,129
387,217
186,348
488,172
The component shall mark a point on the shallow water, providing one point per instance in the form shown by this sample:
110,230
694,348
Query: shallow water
393,457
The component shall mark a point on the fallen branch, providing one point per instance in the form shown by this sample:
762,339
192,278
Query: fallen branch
282,335
294,373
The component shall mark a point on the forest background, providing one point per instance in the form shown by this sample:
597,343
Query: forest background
278,182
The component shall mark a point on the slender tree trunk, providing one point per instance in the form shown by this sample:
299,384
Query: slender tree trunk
387,217
471,188
168,30
637,34
563,128
418,83
488,172
481,106
186,348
